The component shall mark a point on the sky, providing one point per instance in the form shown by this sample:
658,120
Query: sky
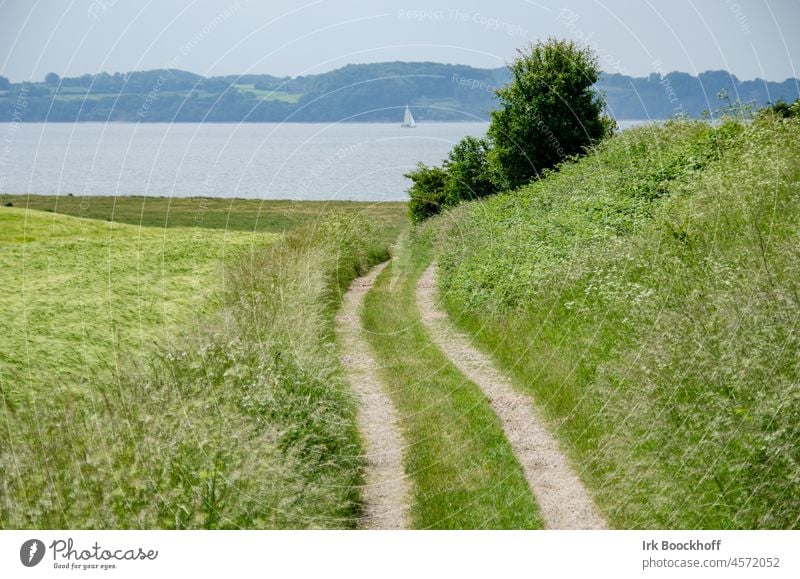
750,38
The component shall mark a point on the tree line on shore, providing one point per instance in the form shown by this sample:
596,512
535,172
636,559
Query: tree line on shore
360,92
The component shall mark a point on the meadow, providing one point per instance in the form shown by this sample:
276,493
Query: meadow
78,294
161,377
646,297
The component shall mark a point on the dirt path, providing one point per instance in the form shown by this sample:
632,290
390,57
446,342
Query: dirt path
563,500
386,488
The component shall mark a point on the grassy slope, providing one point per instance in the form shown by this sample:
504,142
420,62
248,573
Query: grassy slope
244,422
212,213
463,470
647,296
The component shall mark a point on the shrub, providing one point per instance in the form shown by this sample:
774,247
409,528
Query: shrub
786,110
549,113
467,168
427,191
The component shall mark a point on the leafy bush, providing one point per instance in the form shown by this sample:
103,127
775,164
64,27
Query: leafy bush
467,168
427,193
548,113
785,110
464,176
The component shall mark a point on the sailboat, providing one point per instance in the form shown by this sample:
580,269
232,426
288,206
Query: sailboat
408,120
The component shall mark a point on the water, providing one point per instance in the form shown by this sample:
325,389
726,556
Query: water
360,162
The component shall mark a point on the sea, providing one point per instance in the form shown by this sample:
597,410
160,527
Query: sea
303,161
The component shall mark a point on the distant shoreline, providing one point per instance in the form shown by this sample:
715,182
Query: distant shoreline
6,197
376,92
120,122
421,123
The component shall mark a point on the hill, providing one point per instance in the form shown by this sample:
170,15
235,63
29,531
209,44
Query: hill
358,92
646,296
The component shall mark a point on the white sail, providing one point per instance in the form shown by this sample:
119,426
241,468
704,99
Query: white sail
408,119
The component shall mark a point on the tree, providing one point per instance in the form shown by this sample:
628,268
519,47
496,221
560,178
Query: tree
427,191
467,167
52,78
548,111
5,84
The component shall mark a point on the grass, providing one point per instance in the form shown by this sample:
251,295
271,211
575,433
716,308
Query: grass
78,294
647,296
253,215
241,421
464,473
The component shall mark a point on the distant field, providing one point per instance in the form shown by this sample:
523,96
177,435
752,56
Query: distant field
213,213
76,294
269,95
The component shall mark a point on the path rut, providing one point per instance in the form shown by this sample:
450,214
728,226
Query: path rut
386,491
563,500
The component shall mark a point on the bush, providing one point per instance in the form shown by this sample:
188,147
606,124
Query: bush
467,168
427,192
786,110
548,112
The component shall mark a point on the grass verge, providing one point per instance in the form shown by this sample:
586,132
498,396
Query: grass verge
464,473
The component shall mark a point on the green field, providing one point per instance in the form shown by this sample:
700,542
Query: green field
647,297
79,294
129,274
269,95
160,377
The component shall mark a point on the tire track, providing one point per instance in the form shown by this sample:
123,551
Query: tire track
563,500
385,491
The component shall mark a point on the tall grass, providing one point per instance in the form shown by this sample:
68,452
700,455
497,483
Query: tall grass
647,296
246,424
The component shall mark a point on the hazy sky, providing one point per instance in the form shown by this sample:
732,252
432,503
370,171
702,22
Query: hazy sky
751,38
